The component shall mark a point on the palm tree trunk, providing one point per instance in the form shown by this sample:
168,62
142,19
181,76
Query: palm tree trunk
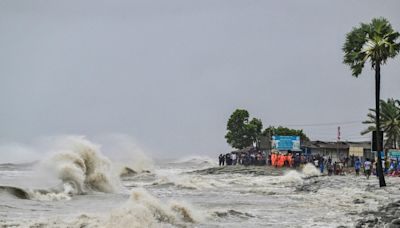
378,127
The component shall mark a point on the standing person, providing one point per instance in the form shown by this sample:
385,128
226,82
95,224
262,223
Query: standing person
233,158
334,168
290,159
386,165
329,167
367,168
273,159
277,160
316,162
357,166
220,159
302,160
321,164
253,158
228,159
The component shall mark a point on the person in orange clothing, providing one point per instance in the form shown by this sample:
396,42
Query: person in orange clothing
273,159
281,160
276,160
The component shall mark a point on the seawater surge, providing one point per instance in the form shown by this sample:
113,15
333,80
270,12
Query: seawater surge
77,185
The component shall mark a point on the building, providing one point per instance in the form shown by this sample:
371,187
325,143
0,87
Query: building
338,150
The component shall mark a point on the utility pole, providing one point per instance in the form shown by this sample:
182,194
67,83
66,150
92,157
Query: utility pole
337,142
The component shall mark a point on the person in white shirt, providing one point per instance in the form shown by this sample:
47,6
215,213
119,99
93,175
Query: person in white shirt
233,157
367,168
316,163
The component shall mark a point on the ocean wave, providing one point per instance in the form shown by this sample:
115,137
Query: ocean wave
129,172
141,210
144,210
186,182
83,167
197,161
41,195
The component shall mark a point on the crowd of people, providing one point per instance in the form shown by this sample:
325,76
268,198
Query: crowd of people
254,157
390,167
324,163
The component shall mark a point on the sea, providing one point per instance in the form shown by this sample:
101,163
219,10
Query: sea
81,187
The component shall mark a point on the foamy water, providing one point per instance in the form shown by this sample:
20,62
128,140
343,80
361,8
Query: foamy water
87,190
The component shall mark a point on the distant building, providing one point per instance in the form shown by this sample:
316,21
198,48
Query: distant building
338,150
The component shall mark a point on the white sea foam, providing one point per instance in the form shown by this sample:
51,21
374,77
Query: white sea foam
144,210
187,181
292,176
309,170
140,210
126,152
83,166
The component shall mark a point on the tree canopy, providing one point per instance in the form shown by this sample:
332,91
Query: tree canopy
241,132
390,120
375,42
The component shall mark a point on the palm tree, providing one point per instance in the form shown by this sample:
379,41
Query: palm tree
375,42
390,121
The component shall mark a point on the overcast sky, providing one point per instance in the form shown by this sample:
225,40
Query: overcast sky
170,73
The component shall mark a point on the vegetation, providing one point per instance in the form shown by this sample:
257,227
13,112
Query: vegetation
390,122
284,131
242,132
374,42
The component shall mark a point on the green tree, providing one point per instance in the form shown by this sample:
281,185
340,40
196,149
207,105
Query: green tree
255,129
374,42
241,132
284,131
390,122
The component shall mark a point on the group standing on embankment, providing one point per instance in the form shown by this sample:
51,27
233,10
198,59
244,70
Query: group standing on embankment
325,164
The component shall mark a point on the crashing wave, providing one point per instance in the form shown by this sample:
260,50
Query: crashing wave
186,182
15,191
83,167
140,210
41,195
309,170
145,210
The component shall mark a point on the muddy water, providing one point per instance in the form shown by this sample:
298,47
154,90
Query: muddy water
196,193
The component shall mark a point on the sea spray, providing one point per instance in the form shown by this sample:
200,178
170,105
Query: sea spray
309,170
292,176
127,154
144,210
83,166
